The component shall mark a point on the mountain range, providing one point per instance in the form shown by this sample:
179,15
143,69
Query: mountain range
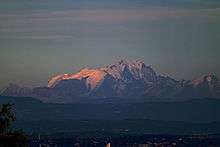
127,79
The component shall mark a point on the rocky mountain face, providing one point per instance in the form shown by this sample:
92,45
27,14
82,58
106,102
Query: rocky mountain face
207,86
15,90
125,79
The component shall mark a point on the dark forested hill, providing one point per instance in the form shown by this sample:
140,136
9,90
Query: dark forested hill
202,110
194,116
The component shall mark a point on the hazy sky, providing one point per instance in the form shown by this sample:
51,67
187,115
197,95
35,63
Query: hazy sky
42,38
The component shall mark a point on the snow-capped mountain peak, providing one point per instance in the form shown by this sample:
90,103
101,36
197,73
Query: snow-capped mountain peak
124,79
93,77
124,70
131,69
209,78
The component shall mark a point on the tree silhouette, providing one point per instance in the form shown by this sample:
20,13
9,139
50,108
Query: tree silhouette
8,136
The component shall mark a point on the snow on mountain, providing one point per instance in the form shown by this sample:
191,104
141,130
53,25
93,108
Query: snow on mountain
94,77
210,79
125,79
206,86
125,70
131,70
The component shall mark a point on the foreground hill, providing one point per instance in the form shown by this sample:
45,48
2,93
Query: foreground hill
193,116
201,110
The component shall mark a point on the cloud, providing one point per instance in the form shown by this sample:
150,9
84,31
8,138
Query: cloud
112,15
40,25
40,37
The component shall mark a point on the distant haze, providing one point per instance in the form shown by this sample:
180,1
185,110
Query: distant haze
42,38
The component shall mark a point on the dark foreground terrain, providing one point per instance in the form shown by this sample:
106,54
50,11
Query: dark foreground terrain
118,123
130,141
197,110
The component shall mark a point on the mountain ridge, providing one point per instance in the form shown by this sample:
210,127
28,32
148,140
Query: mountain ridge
125,79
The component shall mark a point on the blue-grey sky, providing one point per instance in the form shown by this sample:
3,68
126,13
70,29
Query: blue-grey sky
42,38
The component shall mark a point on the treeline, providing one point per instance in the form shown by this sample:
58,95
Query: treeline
8,136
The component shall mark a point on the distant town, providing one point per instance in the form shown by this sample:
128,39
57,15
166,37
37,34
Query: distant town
131,141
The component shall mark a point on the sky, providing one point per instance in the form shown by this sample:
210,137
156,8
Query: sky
43,38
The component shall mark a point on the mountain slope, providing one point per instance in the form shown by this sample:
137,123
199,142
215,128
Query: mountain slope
125,79
206,86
